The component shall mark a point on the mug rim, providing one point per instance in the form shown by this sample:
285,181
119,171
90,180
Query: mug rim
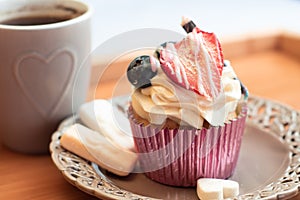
86,15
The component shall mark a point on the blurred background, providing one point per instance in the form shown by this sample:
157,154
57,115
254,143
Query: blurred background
225,18
260,37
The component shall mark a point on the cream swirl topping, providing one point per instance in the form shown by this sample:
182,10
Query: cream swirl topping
164,99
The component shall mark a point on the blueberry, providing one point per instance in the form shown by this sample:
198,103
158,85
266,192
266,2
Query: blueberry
244,91
163,45
140,71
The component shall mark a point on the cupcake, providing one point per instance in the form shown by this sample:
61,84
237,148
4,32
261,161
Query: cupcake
187,110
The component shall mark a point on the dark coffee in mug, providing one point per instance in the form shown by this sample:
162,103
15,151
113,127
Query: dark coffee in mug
45,18
34,20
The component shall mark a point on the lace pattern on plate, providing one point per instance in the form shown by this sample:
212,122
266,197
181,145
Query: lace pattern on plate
274,117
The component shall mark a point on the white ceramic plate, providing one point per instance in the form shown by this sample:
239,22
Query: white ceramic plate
268,166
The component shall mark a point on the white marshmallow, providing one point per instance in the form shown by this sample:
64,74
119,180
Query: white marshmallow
99,116
96,148
230,188
216,189
209,189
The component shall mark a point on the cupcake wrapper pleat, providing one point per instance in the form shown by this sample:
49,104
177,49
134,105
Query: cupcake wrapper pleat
179,157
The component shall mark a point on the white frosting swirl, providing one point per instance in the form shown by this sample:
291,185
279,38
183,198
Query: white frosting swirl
164,99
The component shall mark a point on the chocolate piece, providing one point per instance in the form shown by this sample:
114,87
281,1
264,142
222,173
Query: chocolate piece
188,27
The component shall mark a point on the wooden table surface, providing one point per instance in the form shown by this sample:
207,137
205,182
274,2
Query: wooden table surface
273,74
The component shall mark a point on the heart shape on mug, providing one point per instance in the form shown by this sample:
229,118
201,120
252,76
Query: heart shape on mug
44,80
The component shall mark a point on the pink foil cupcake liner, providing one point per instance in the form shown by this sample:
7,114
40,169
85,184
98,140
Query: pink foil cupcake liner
179,157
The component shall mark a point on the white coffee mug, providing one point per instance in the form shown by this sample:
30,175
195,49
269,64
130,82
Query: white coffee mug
44,50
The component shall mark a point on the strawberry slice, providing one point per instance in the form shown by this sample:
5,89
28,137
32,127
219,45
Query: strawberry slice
195,63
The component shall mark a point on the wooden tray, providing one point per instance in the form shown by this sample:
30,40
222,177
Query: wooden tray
268,65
